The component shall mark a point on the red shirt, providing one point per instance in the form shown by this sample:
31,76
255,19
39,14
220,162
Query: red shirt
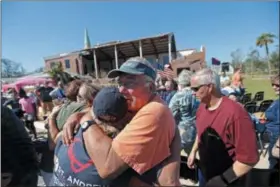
234,125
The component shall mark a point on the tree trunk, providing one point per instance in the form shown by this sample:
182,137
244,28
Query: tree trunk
268,61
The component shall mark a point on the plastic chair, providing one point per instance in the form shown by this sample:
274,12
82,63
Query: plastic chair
246,98
264,105
249,95
251,107
259,96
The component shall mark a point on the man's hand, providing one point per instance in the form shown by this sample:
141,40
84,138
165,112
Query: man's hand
191,159
192,156
71,125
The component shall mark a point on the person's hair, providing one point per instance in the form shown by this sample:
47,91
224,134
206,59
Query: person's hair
275,78
208,76
184,78
226,83
236,69
90,91
150,83
22,93
72,89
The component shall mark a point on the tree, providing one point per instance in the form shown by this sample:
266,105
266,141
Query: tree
254,62
58,74
11,68
237,58
275,60
264,40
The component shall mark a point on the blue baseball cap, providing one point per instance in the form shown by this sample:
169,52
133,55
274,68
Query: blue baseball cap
109,102
134,66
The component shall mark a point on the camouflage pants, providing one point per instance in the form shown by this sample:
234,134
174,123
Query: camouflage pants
188,134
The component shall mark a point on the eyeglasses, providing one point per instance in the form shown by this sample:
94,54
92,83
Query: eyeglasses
195,89
128,84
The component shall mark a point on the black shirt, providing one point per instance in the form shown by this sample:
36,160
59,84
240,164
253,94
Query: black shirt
18,153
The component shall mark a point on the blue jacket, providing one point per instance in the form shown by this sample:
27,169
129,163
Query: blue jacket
183,106
272,114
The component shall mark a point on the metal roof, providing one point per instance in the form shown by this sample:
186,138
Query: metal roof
126,49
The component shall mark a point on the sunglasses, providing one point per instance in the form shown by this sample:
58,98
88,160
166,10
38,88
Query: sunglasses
195,89
129,84
276,85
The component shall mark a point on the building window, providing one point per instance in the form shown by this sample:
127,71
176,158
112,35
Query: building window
165,60
67,64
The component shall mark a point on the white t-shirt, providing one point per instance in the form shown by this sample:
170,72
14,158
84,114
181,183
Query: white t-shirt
227,90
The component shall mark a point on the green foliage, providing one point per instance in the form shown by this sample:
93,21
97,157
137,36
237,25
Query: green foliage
56,70
253,63
58,74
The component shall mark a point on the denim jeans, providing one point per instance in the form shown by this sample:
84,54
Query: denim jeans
273,132
201,179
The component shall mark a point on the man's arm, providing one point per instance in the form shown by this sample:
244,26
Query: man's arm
245,143
69,127
99,147
174,106
53,132
195,145
272,113
170,173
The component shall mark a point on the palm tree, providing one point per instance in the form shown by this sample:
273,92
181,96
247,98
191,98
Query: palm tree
263,40
58,74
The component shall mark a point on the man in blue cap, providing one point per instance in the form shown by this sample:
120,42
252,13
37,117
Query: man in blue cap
75,165
147,140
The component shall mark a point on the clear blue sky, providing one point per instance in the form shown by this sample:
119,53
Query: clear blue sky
33,30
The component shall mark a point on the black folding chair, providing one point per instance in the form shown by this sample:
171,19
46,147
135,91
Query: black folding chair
246,98
264,105
251,107
259,96
249,95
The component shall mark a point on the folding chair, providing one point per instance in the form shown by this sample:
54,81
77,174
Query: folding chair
246,98
259,96
251,107
264,105
249,95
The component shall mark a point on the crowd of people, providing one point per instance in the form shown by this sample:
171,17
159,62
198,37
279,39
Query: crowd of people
133,134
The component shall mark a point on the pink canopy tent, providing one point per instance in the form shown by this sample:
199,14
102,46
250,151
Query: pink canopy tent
33,81
27,81
5,87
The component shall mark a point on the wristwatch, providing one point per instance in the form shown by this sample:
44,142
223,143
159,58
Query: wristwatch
87,124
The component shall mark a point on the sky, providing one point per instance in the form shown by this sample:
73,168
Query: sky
33,30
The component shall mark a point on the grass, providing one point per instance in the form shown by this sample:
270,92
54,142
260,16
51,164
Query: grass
256,84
